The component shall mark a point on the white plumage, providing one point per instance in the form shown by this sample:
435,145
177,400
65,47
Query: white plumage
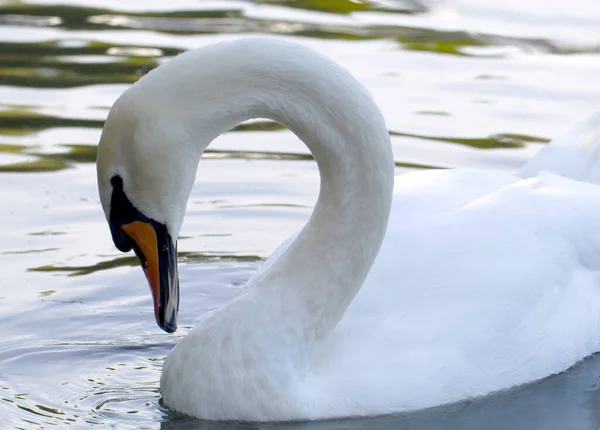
483,280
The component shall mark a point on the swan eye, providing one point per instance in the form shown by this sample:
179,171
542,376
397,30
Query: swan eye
117,182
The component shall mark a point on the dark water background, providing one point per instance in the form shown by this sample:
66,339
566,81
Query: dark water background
461,83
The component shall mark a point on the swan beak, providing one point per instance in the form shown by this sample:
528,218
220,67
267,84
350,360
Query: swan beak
158,257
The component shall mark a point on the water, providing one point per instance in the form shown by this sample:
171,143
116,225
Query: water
461,83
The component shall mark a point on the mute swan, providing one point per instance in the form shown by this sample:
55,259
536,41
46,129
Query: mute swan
483,280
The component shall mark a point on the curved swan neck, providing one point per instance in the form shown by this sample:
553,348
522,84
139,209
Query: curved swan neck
213,89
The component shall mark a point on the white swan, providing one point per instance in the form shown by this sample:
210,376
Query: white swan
483,281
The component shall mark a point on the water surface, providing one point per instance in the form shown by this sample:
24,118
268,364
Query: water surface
460,82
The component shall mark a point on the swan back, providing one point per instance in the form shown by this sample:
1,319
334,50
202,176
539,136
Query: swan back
575,155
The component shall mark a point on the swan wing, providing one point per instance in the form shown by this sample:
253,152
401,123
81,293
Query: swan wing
486,281
575,155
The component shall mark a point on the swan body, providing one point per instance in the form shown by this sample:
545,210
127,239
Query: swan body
399,293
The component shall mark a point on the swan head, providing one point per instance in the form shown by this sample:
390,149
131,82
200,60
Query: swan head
144,184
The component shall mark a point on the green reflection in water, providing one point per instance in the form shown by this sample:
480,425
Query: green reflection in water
56,64
43,76
22,120
264,155
75,154
47,233
29,251
349,6
504,140
433,113
14,119
450,43
34,410
51,162
256,155
87,154
12,148
131,261
259,126
41,165
86,270
81,18
50,410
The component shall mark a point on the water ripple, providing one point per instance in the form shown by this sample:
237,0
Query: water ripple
460,84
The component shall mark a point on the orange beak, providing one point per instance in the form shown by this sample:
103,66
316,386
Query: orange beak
158,257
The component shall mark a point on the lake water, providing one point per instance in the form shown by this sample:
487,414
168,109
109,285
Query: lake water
460,82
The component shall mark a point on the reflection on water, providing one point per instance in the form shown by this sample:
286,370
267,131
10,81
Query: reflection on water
460,84
131,261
